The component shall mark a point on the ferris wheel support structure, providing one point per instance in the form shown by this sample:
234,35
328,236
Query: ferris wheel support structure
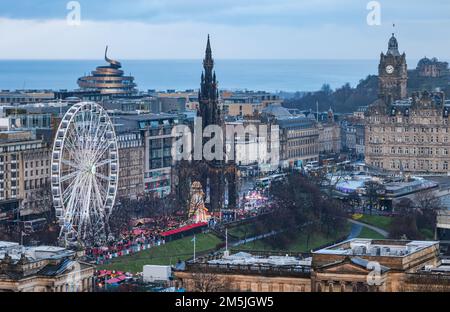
85,171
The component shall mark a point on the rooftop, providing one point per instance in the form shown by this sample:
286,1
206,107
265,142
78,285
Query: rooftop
371,247
248,264
15,251
243,258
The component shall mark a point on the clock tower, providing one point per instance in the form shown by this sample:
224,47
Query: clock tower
392,73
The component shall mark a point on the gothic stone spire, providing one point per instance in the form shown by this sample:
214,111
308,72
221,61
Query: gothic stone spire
208,95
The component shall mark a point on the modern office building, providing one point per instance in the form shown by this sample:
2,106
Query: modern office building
155,133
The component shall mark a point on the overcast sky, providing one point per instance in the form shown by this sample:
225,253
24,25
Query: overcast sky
240,29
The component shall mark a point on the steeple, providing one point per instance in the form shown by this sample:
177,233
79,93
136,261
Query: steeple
393,46
208,95
208,62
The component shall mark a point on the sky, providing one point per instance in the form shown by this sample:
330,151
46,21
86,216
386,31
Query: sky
239,29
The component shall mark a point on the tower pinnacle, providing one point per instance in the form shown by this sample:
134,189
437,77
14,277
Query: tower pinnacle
393,46
208,98
208,62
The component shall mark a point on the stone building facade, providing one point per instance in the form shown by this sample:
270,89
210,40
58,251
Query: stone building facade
299,141
43,269
329,135
25,171
243,272
409,136
298,136
131,156
392,73
36,184
242,282
432,68
357,265
405,134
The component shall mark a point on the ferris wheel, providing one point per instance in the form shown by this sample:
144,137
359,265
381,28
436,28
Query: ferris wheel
85,168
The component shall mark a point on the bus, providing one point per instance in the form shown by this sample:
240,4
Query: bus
34,225
266,181
312,165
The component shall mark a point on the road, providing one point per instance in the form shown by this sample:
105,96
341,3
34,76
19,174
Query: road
357,227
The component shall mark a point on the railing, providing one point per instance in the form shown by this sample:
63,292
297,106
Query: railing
251,269
437,278
268,253
443,219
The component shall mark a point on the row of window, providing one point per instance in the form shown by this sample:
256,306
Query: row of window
37,163
35,183
47,171
298,152
421,165
301,142
406,139
300,133
409,129
412,150
21,147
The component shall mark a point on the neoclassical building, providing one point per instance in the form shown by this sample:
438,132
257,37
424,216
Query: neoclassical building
406,134
43,269
356,265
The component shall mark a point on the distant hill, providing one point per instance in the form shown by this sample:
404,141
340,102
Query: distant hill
343,100
418,83
430,74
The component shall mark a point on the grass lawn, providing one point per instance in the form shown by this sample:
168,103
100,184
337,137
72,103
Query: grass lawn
167,254
298,245
381,222
243,231
427,233
368,233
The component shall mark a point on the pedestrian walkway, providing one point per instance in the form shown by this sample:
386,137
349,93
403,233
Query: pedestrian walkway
355,231
374,228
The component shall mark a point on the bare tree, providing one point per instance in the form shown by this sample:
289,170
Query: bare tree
428,206
207,282
300,206
427,200
373,190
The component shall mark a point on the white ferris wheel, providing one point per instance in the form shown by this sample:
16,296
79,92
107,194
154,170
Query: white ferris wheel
85,170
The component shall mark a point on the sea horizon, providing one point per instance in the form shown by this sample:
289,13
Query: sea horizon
271,75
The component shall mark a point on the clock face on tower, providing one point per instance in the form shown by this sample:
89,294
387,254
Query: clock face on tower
389,69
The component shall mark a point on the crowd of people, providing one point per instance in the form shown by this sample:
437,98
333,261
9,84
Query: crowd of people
144,233
141,234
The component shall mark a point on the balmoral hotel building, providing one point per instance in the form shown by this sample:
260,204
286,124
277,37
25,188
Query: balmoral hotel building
406,134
